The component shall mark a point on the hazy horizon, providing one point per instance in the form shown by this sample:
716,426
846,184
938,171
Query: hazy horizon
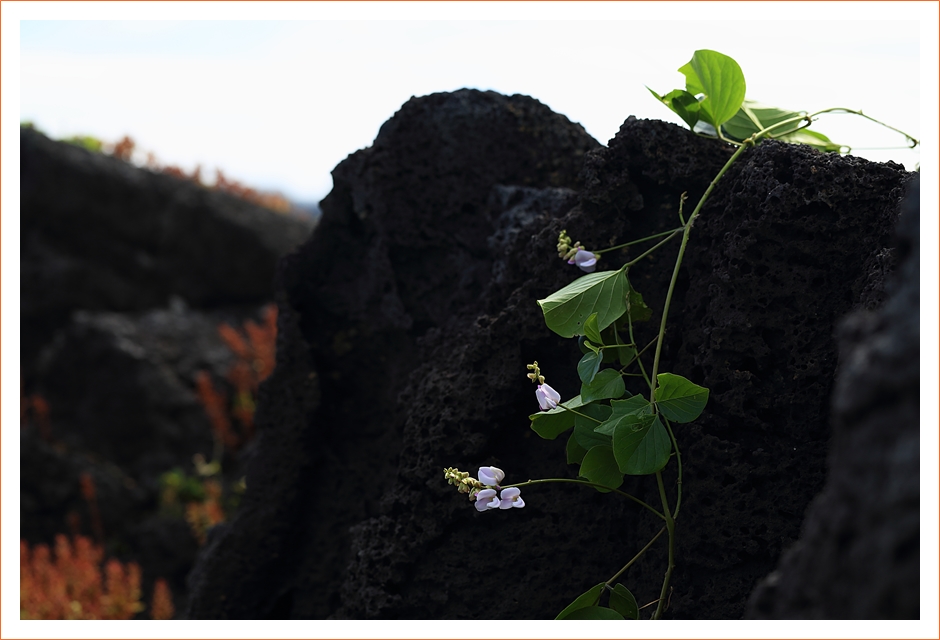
278,104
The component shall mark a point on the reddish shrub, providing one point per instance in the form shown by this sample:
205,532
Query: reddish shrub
71,587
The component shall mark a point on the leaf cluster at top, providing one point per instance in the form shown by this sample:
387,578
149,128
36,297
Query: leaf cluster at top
713,103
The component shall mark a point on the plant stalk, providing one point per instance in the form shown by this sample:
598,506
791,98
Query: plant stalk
637,556
671,529
589,484
675,272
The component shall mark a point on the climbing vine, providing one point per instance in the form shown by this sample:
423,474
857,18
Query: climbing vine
613,433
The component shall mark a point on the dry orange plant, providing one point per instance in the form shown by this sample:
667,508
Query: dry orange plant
72,584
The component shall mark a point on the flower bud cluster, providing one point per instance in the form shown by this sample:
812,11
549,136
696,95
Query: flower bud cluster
536,375
483,492
548,398
575,254
462,480
566,247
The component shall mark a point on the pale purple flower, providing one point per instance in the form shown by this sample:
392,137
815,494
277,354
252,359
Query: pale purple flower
548,398
510,498
585,260
491,476
487,499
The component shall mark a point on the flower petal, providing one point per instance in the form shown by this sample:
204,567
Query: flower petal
586,261
485,500
548,398
544,403
491,476
510,498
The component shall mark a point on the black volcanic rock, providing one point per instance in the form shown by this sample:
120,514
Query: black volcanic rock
858,556
408,318
402,249
123,411
125,278
121,386
98,233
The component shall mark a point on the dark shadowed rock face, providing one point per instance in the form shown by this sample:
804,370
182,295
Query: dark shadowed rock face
123,410
412,312
100,234
121,386
404,247
125,277
858,556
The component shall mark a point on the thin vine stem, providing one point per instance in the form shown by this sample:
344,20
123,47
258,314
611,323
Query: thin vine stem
672,235
590,484
578,413
670,521
632,242
675,272
638,359
636,557
675,447
671,529
857,112
616,346
669,515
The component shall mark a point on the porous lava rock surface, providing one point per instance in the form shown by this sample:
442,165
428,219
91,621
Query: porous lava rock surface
858,556
406,322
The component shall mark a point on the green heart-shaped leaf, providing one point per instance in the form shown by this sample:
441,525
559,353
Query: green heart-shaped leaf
603,293
813,139
623,602
639,312
588,366
591,331
641,448
589,598
574,452
678,399
549,424
584,426
606,384
632,411
720,78
594,613
600,466
631,420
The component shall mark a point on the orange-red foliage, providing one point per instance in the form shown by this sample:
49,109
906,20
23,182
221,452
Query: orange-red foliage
124,149
273,201
255,355
263,339
204,515
176,172
35,410
87,486
161,606
214,404
72,587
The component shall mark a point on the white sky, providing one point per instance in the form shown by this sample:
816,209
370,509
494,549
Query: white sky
278,104
277,98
